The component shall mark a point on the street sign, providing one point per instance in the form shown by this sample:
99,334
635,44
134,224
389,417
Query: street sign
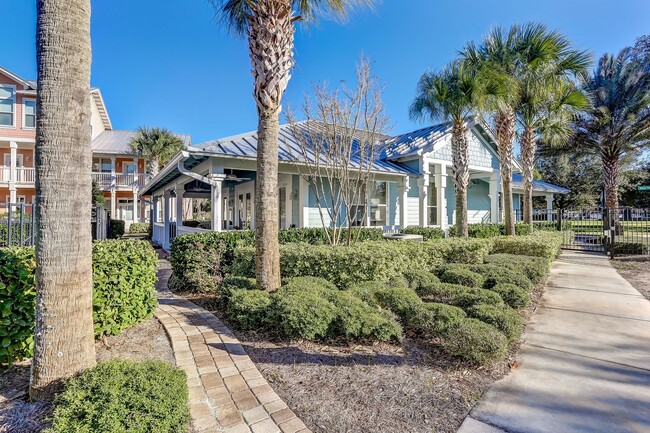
644,188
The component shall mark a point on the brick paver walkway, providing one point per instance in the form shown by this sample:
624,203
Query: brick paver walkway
227,392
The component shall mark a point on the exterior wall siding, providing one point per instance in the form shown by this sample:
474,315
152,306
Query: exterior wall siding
479,152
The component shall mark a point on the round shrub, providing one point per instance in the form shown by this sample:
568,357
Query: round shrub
124,396
124,284
476,342
418,279
302,313
433,319
444,293
504,318
308,282
116,229
140,228
494,274
249,308
512,295
463,277
17,303
232,284
472,296
356,319
535,268
366,291
402,301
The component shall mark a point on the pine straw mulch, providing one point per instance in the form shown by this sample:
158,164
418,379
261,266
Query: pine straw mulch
351,388
146,340
636,270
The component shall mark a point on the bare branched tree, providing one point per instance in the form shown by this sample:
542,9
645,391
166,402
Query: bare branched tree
338,144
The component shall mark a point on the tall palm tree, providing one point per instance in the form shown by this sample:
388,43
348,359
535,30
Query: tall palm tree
503,61
64,341
549,100
619,122
158,145
449,96
269,26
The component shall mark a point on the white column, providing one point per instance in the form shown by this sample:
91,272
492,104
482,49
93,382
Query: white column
549,207
166,215
403,188
304,203
113,189
495,187
441,189
136,208
154,209
216,206
180,190
423,184
12,171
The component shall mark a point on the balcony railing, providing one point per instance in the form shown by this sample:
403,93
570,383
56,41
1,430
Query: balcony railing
23,174
130,180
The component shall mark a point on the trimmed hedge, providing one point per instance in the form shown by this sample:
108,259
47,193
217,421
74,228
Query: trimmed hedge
427,233
116,229
358,320
249,308
463,277
504,318
124,396
302,313
460,296
140,228
494,274
124,279
512,295
535,268
487,230
433,319
124,293
419,279
540,244
476,342
17,301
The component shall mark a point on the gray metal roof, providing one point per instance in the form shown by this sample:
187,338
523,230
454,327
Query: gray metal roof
538,185
245,145
118,142
413,142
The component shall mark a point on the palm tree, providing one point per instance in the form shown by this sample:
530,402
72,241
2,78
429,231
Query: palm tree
449,96
549,100
269,26
158,145
64,340
503,62
619,122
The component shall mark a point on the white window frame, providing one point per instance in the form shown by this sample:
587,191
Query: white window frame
19,157
18,197
13,113
381,205
25,113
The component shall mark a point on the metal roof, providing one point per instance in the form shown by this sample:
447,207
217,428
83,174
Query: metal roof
538,185
245,145
118,142
413,142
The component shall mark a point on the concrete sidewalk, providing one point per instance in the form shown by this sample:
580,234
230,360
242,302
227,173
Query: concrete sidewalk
585,362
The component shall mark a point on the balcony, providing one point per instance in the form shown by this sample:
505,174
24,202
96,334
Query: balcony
120,180
24,175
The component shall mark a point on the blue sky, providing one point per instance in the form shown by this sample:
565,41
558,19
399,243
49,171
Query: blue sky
168,63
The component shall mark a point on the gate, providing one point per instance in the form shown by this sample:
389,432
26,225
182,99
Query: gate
583,229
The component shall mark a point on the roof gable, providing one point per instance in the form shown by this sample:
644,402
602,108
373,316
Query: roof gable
27,85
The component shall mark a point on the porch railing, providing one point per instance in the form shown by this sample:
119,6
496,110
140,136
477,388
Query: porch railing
25,174
131,180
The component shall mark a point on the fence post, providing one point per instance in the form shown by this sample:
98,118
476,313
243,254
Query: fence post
9,224
22,222
559,219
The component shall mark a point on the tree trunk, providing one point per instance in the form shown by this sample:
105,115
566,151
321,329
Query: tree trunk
528,145
270,42
153,167
505,134
64,341
611,167
460,159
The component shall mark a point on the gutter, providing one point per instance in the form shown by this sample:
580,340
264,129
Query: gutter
183,170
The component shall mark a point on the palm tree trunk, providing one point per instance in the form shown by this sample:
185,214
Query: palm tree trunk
153,167
505,134
270,42
528,145
64,341
460,159
611,170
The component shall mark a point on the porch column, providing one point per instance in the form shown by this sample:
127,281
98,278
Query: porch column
423,184
12,171
180,190
113,189
495,187
549,207
216,206
403,188
166,213
154,209
441,189
304,203
136,208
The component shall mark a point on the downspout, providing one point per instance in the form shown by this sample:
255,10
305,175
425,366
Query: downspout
183,170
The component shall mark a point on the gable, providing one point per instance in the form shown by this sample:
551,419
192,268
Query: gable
480,153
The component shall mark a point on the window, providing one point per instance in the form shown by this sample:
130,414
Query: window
102,165
378,201
432,205
29,114
7,100
19,159
130,168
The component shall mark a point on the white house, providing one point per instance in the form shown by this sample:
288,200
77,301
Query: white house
413,183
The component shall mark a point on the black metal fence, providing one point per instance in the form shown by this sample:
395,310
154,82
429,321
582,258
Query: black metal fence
16,224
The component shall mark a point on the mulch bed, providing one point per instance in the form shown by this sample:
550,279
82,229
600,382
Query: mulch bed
636,270
352,388
146,340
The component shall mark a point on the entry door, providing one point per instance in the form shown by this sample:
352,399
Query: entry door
244,206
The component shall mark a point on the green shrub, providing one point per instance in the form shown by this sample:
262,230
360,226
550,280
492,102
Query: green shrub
116,229
302,313
17,301
357,319
318,236
476,342
480,230
417,279
124,279
504,318
494,274
535,268
139,228
432,319
402,301
232,284
307,282
366,291
427,233
124,396
469,251
472,296
512,295
540,244
249,308
637,248
441,292
463,277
